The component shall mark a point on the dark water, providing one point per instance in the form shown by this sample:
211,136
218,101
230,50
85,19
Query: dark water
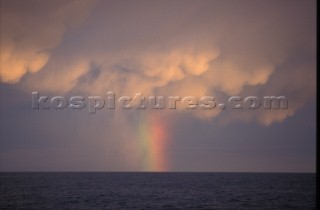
157,191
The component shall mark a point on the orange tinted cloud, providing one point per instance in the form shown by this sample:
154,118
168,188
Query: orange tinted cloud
30,30
155,48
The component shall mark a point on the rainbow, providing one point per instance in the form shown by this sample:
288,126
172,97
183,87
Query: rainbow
153,140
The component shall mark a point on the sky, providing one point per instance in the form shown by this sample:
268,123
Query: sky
157,48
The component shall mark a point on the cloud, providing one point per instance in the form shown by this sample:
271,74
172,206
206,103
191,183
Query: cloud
29,35
210,48
185,48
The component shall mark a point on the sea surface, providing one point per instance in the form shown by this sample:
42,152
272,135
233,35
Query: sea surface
99,190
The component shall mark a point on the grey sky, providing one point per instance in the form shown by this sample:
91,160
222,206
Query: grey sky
198,48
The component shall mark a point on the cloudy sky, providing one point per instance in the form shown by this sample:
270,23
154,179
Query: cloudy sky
158,48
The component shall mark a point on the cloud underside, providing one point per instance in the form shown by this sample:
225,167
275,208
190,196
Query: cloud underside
194,48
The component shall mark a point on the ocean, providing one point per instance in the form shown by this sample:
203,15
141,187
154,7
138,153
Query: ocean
113,190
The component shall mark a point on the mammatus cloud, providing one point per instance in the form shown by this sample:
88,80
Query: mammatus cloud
298,87
30,30
200,51
185,48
